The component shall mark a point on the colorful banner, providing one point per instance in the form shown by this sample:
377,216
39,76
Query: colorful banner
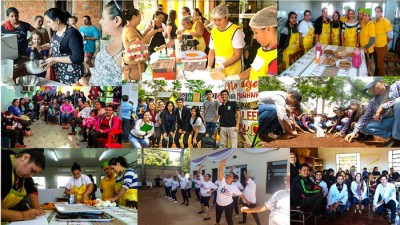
243,91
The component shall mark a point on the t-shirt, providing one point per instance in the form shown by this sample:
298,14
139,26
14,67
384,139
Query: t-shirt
126,110
108,187
206,186
210,110
304,26
175,185
78,182
130,180
237,40
197,183
6,172
14,110
382,27
184,181
250,191
279,204
239,186
199,122
225,192
91,31
227,113
167,182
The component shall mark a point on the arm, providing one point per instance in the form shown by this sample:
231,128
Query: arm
220,169
115,121
237,119
150,132
119,194
199,30
236,56
199,170
258,209
211,57
89,189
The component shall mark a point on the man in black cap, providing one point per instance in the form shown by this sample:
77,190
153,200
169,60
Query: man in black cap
272,111
382,116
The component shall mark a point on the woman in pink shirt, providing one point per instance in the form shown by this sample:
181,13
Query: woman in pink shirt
104,125
67,111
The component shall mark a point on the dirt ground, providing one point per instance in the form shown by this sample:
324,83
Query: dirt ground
155,209
310,140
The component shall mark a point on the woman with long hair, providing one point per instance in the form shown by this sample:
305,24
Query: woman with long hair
157,124
197,123
138,137
336,29
351,31
126,184
168,121
359,190
171,26
289,41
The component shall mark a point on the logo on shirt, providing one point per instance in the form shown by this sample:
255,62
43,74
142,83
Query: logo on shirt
225,191
229,107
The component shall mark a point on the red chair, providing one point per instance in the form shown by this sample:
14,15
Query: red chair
111,141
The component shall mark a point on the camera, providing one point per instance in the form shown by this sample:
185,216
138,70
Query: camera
188,42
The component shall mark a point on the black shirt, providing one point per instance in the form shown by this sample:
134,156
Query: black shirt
301,188
22,32
6,179
227,113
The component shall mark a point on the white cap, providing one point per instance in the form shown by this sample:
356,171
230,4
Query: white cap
220,11
265,18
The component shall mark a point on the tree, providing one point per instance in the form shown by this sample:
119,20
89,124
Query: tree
186,160
155,157
197,86
270,84
177,85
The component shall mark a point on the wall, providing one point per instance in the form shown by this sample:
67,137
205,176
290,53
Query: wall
369,157
256,166
8,94
87,7
152,172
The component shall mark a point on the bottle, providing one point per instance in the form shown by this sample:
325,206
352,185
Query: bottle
356,59
32,56
318,48
72,199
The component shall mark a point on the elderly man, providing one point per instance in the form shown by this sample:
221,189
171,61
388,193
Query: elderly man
382,116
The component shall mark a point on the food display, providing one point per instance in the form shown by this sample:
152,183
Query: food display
193,60
165,69
328,52
351,54
99,203
343,64
340,54
328,61
48,206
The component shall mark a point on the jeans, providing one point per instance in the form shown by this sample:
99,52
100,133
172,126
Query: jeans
138,142
341,209
267,119
228,213
392,206
65,117
381,129
127,125
356,201
210,128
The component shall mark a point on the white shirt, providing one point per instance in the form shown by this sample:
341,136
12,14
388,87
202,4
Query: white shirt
202,128
250,191
303,27
237,40
206,186
239,186
225,193
324,187
175,185
78,182
167,182
335,196
197,183
279,204
278,98
184,181
387,193
354,190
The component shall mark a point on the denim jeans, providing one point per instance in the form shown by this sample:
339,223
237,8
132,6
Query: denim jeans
382,129
210,128
392,206
127,125
267,119
139,142
365,201
341,208
65,117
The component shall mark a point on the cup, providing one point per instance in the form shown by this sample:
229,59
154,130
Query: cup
7,69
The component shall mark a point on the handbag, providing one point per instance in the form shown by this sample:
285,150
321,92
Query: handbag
208,142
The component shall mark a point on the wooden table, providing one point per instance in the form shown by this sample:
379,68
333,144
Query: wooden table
306,65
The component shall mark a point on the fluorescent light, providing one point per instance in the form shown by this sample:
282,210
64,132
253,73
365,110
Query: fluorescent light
103,155
53,153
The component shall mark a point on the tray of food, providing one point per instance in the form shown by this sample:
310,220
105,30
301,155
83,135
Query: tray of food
77,208
328,52
328,61
83,217
343,64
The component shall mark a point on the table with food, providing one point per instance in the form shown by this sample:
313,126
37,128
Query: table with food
331,60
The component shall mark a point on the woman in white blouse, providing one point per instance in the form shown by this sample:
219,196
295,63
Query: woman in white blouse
359,190
197,123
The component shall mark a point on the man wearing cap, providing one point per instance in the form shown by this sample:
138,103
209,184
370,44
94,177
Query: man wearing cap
107,184
382,116
272,111
226,43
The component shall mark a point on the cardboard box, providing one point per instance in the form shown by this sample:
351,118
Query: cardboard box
164,68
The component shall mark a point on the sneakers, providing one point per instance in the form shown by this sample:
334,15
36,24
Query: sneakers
166,197
236,216
175,201
187,204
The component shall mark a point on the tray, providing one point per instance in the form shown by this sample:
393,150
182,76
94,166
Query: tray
84,218
77,208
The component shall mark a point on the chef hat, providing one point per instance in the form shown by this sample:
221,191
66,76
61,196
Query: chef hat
220,11
264,18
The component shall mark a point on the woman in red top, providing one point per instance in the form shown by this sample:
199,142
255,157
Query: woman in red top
37,99
107,123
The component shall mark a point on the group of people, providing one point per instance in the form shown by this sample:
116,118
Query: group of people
20,196
327,193
168,122
68,110
281,112
351,30
68,52
210,36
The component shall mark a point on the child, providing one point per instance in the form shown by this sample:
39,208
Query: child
89,123
38,25
37,40
126,111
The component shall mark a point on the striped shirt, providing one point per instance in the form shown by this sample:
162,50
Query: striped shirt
347,25
129,178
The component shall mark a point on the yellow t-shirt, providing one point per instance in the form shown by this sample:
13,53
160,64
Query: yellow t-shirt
343,19
202,44
366,33
108,187
381,28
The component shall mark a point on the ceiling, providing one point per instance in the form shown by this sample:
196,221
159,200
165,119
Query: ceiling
85,157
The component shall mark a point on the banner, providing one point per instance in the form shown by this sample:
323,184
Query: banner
132,90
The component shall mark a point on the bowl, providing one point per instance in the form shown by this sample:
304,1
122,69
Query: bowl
28,80
34,67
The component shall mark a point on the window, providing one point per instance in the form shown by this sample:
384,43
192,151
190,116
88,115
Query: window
394,159
372,5
345,161
62,181
352,5
40,182
276,173
329,6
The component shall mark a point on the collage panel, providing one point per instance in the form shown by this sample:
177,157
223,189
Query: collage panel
196,185
61,117
344,185
69,186
329,112
338,38
190,114
72,43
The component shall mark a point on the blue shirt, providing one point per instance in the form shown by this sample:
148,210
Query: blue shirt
129,179
92,31
126,110
14,110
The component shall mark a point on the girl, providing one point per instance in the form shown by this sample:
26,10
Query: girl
39,27
351,31
359,190
139,136
159,37
197,123
336,29
24,110
153,118
37,41
89,123
289,40
168,119
157,124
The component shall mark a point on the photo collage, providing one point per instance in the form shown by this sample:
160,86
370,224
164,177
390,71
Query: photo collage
270,112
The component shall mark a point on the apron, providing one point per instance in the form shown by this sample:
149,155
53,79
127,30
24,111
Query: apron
202,44
13,197
157,40
260,65
325,36
130,194
335,33
308,40
293,46
79,191
66,73
350,37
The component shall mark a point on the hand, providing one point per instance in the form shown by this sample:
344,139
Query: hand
208,69
373,208
222,162
220,67
244,209
233,167
165,135
31,214
83,199
349,137
236,128
337,134
183,132
180,131
49,62
378,113
101,131
194,141
160,30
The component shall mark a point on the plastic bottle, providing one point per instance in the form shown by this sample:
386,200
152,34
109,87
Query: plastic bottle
356,59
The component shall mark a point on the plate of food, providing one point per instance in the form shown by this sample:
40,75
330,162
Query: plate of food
340,54
328,61
343,64
328,52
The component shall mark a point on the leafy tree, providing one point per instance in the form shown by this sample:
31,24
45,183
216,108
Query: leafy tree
177,85
197,86
270,84
154,157
186,160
